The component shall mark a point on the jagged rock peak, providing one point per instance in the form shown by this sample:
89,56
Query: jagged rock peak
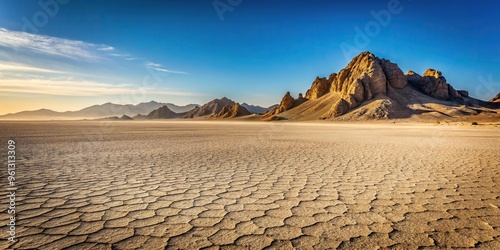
232,111
433,72
224,99
286,103
365,77
320,87
211,108
162,113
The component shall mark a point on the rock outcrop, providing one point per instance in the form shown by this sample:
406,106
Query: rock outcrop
363,78
434,84
463,93
287,102
394,74
211,108
366,77
496,98
338,108
320,87
232,111
162,113
413,78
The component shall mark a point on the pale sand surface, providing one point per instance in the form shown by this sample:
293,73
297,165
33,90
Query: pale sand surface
189,185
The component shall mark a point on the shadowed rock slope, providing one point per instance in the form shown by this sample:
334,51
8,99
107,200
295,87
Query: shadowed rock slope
257,109
232,111
374,88
164,113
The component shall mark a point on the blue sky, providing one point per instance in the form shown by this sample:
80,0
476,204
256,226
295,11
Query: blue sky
78,53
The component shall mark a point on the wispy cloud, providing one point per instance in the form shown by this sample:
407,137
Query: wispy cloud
106,48
53,46
151,64
38,64
75,87
119,55
24,68
66,48
158,67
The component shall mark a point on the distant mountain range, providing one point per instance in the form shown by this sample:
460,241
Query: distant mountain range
146,110
369,88
258,109
99,111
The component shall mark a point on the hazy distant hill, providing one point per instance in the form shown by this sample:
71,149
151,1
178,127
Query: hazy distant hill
258,109
163,113
110,109
34,114
100,111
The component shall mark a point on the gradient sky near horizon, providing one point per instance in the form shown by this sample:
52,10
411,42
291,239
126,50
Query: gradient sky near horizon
85,52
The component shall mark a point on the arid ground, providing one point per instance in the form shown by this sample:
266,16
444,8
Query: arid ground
189,185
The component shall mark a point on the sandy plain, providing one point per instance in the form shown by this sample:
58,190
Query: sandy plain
253,185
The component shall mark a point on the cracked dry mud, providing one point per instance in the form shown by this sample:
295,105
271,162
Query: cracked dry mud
190,185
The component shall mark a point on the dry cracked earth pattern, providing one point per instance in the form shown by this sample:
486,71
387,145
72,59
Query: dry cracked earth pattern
214,185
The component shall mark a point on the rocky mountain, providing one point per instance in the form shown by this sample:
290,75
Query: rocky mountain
255,109
232,111
99,111
164,113
374,88
211,108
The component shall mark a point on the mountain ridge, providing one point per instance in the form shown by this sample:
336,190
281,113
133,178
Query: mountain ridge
104,110
368,88
256,109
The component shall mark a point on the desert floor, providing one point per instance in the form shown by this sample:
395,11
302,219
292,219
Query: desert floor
189,185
